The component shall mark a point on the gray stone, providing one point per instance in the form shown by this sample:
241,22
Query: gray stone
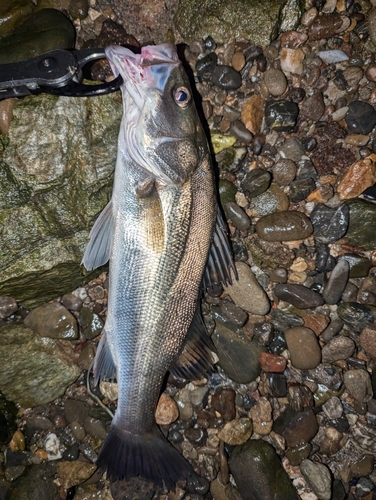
37,484
339,347
238,358
337,283
7,306
237,216
284,226
198,19
53,320
333,408
358,383
292,149
34,370
270,201
298,295
259,474
51,193
318,478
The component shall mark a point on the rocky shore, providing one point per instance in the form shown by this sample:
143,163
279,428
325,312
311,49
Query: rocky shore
291,410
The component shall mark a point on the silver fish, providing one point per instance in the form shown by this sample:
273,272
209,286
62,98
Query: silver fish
161,232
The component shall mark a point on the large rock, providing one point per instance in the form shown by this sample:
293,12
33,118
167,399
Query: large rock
34,370
56,168
253,20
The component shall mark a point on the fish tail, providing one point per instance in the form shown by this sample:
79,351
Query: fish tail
150,456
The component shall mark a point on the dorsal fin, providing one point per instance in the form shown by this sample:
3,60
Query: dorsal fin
98,250
220,260
196,359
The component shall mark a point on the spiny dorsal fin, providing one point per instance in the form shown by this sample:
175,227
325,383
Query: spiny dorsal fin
196,359
98,250
220,260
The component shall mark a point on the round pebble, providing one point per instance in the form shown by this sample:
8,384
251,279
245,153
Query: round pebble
167,410
329,224
358,383
284,226
305,352
339,347
284,172
237,216
318,478
281,116
360,117
7,307
275,81
226,77
236,432
256,182
272,362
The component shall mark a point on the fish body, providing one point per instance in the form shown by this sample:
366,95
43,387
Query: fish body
157,232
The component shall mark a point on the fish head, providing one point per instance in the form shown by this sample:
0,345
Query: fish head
161,131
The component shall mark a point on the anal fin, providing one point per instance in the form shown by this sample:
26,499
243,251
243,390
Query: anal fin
220,260
196,359
98,250
104,366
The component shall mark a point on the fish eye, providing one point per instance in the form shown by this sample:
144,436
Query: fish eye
182,97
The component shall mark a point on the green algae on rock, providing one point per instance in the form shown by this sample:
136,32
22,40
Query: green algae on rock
34,370
252,20
43,31
259,474
362,224
57,162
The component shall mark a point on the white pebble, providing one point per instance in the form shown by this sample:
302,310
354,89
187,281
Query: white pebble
332,56
340,114
52,446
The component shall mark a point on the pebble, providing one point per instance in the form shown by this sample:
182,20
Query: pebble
78,431
275,81
247,293
223,401
91,323
304,348
281,116
95,428
237,216
360,117
71,302
364,487
355,316
284,172
333,408
238,61
313,107
277,384
221,141
167,410
339,347
298,453
301,189
357,139
71,474
368,340
86,357
8,306
53,320
362,224
316,322
325,26
256,182
279,275
359,266
261,415
76,411
332,56
71,453
258,472
364,467
284,226
205,66
6,114
292,60
296,427
292,149
239,130
360,176
272,362
337,282
238,358
358,383
236,432
52,447
226,77
318,478
298,295
299,397
270,201
17,443
329,224
253,113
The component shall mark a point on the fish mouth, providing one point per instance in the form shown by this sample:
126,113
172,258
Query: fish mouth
148,70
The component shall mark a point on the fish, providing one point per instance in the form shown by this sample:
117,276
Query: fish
165,238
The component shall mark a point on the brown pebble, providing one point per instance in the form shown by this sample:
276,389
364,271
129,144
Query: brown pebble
253,113
238,61
368,340
6,114
167,410
316,322
359,176
272,362
17,442
223,401
304,348
371,72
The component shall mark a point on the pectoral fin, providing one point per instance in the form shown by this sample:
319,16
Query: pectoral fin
220,260
98,250
104,366
196,357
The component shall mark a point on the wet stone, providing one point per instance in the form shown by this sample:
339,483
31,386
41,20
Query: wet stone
196,436
236,432
91,324
362,224
325,26
277,384
318,478
76,411
298,295
261,415
363,487
339,347
71,453
358,383
226,77
279,275
360,117
337,282
259,474
238,130
299,397
8,306
301,188
237,216
281,116
71,302
256,182
292,149
223,401
275,81
329,224
206,65
167,410
73,473
95,427
284,172
53,320
355,316
284,226
272,362
298,453
358,265
368,340
304,349
272,200
364,467
313,107
253,113
227,191
296,427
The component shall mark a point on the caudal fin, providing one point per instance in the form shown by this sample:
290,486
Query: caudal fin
149,456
